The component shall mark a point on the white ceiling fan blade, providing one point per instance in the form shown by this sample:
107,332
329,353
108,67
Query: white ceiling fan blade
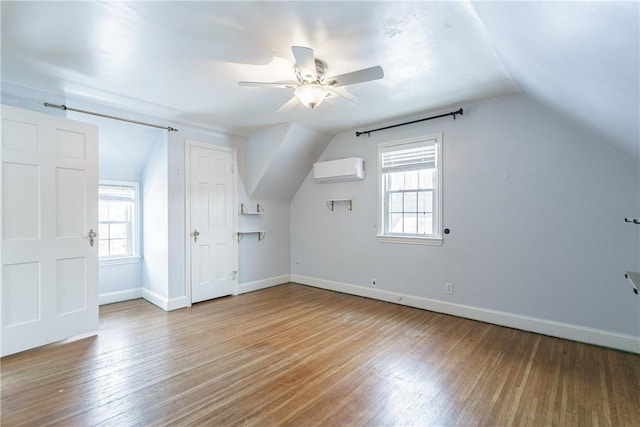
342,93
306,62
360,76
289,105
286,85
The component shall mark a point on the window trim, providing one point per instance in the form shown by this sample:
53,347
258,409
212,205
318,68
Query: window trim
436,240
136,237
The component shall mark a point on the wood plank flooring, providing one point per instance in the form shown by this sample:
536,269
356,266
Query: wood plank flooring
297,356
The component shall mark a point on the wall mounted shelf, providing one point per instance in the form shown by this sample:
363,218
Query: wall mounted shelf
260,233
244,211
348,203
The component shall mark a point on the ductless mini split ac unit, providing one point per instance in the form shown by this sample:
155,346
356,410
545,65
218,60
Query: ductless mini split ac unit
350,169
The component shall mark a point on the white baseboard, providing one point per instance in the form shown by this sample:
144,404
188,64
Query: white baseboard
119,296
264,283
568,331
177,303
163,302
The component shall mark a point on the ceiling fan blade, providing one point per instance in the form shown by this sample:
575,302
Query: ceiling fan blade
342,93
289,105
286,85
360,76
306,62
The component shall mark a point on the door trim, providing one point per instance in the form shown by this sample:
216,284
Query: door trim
188,143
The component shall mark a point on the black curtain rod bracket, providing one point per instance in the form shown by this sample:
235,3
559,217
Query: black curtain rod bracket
452,113
106,116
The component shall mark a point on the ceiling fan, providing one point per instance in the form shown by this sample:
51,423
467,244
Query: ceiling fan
313,85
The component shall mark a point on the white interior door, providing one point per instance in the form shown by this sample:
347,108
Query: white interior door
212,243
49,205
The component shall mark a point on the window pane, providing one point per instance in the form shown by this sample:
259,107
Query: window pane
118,247
395,223
410,223
103,211
428,178
103,231
411,201
103,248
425,201
118,231
119,211
396,181
425,224
411,180
396,202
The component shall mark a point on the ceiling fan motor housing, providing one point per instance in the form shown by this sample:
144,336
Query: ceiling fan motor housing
321,73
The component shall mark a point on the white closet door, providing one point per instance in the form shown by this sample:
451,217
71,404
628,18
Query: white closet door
213,248
49,209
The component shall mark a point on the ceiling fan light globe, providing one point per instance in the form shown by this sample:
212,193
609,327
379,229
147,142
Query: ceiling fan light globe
311,95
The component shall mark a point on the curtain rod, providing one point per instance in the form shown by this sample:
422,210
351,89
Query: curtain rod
64,107
452,113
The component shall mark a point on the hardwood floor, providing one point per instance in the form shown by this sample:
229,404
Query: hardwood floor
299,356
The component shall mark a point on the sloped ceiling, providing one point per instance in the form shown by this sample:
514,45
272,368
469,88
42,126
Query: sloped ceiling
280,158
582,59
181,60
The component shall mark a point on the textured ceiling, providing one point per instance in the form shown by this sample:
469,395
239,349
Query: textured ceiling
181,60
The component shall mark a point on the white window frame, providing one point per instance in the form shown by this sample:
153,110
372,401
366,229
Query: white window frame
136,225
382,235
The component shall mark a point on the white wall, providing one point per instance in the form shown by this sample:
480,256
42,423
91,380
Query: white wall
261,147
535,207
120,282
261,263
155,271
265,262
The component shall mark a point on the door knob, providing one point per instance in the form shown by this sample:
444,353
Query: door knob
92,236
195,235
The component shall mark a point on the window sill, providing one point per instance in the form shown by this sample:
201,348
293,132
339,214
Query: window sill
117,261
410,240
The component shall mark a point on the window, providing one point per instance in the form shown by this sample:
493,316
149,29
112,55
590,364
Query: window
118,234
410,174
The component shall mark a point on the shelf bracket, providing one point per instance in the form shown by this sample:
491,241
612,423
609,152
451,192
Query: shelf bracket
260,233
348,203
634,278
245,211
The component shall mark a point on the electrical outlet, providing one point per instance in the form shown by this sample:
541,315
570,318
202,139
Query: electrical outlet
373,282
448,287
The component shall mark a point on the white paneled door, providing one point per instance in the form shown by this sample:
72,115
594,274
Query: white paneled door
213,247
49,286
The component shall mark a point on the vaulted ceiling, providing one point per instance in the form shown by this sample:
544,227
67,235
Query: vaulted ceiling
181,61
